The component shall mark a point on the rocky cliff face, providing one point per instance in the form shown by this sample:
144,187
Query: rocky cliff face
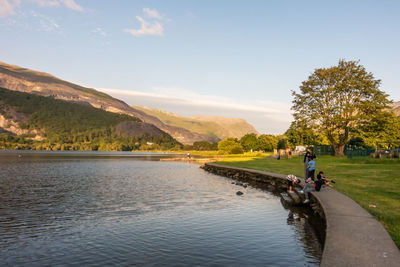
25,80
11,123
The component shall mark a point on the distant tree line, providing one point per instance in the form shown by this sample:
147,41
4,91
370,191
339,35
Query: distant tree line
202,146
252,142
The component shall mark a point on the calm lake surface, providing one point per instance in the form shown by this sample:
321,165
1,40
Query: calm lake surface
103,208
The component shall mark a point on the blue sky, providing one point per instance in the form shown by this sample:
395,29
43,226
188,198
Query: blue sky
226,58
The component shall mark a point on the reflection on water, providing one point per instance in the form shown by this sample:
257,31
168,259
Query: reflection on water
120,209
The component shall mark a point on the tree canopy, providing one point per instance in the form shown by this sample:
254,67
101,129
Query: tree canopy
230,145
338,101
385,126
267,142
301,134
249,142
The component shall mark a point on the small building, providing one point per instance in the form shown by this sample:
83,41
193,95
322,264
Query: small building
299,150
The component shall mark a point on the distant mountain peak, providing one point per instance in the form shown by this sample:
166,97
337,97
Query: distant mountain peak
216,126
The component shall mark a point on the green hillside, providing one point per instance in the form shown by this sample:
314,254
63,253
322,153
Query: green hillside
66,125
218,127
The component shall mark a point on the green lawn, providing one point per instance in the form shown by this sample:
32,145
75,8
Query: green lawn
367,181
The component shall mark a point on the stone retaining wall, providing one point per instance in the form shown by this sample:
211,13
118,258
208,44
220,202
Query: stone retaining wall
352,236
272,181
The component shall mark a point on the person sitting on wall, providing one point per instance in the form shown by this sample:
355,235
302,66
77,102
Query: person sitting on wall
321,181
292,179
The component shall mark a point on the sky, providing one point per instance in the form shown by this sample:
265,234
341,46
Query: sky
239,59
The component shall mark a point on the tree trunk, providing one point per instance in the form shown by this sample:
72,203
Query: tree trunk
339,150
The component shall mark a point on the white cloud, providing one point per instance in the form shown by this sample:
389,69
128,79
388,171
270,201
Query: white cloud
151,13
7,7
152,27
45,3
99,31
72,5
265,116
147,28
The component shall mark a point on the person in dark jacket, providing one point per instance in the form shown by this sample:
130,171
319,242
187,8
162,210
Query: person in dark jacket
321,181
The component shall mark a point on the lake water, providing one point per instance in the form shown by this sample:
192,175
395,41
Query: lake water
129,209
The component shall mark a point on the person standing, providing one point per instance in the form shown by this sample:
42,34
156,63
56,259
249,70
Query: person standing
311,169
305,161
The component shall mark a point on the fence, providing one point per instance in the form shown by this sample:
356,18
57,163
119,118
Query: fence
323,150
349,152
366,152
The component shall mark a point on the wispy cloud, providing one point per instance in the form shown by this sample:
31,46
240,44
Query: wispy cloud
217,101
46,24
71,4
99,31
266,116
147,28
153,27
8,7
45,3
151,13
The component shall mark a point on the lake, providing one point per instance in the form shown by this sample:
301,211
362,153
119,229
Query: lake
125,208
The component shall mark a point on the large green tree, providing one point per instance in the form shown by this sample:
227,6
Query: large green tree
267,142
249,142
338,100
230,145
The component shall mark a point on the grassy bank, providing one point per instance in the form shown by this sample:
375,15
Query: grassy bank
367,181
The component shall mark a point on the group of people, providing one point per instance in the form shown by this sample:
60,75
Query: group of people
311,184
288,153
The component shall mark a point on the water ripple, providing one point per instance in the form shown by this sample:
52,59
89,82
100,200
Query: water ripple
123,212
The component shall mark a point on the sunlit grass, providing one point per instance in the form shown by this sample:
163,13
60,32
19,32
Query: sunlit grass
367,181
216,154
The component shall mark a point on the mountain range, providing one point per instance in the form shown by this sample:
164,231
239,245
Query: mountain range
184,130
213,126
